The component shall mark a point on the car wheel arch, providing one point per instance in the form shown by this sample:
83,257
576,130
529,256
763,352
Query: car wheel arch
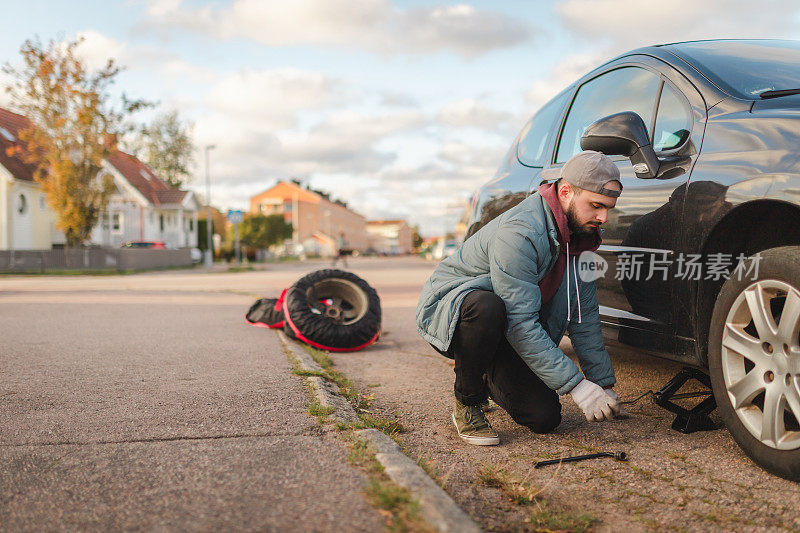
735,233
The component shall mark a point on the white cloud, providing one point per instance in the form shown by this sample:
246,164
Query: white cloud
372,25
563,74
472,113
96,49
274,97
619,25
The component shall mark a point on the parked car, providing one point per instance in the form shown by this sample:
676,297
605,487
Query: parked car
158,245
196,254
706,135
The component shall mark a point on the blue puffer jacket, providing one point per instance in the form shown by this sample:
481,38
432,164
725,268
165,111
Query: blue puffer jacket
509,256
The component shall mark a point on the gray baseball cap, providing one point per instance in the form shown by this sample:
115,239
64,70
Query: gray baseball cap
590,170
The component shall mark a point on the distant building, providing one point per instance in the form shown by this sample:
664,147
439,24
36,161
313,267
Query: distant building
144,207
389,236
317,221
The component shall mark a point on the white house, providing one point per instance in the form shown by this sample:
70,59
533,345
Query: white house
26,221
145,208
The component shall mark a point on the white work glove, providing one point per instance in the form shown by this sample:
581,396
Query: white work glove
594,402
623,413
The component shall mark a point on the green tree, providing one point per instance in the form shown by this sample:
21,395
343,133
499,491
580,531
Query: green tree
73,127
416,238
260,231
167,147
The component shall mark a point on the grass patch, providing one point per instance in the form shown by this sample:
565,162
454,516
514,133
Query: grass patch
384,425
307,373
360,401
321,357
424,462
522,493
361,456
548,520
242,268
518,491
317,409
396,505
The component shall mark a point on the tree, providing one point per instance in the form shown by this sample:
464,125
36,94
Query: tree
416,238
166,144
260,231
73,127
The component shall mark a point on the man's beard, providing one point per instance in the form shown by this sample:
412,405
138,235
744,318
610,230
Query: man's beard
575,227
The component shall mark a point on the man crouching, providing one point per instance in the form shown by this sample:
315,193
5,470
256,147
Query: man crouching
500,306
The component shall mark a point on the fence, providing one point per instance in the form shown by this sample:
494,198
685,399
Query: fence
91,259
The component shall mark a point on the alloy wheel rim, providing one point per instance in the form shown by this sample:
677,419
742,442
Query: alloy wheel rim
339,300
761,362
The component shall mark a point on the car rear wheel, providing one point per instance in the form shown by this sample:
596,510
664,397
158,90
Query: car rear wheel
754,360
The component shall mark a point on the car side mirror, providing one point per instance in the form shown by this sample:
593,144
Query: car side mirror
623,134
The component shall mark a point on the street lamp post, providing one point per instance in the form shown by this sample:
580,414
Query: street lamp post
209,220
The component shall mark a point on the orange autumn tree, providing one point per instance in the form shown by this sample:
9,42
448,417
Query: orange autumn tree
73,129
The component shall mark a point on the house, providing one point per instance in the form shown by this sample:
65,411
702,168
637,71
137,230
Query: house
317,221
390,237
145,208
142,207
26,221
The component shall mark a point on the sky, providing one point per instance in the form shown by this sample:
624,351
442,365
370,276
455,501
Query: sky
401,108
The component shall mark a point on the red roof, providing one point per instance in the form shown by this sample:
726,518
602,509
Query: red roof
137,173
13,123
140,176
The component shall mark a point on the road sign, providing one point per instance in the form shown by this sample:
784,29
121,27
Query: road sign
235,217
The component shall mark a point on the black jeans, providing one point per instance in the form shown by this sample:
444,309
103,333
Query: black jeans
485,363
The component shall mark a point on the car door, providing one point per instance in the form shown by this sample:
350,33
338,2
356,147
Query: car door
639,239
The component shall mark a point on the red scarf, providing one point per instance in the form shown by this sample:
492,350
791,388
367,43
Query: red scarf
577,244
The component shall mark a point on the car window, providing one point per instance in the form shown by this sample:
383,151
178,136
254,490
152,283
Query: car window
534,136
624,89
673,120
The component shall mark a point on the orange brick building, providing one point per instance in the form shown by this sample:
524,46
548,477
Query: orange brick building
317,221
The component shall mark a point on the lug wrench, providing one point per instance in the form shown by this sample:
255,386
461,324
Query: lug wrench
619,456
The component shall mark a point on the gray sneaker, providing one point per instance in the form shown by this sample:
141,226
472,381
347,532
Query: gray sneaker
472,425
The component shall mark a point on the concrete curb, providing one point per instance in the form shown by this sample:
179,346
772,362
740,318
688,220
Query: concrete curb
306,361
436,505
326,393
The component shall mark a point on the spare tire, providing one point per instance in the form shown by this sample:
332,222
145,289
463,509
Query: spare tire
333,310
267,313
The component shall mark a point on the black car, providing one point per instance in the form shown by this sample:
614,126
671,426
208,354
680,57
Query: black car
706,135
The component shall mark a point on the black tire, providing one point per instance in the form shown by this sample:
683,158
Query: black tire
777,266
333,310
263,312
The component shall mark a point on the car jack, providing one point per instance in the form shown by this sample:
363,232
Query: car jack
696,418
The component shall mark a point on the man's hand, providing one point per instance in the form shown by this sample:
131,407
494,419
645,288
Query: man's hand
595,403
623,414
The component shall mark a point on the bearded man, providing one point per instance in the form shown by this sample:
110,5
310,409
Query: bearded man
500,306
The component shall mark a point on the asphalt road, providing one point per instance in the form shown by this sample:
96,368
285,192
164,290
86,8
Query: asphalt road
143,401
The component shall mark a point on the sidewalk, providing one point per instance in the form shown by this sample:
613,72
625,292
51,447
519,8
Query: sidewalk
121,413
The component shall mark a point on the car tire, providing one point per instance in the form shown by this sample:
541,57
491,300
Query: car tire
333,310
754,359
